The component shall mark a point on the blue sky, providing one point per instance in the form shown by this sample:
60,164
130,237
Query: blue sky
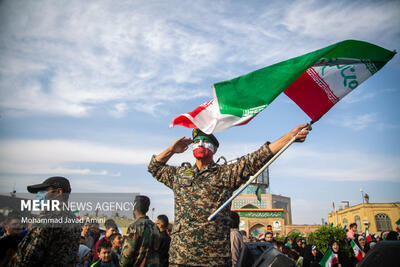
87,90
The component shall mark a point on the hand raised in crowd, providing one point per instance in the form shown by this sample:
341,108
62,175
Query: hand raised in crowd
181,145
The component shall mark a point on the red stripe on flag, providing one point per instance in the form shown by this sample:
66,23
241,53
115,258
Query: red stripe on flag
335,260
199,109
183,121
312,94
359,256
247,121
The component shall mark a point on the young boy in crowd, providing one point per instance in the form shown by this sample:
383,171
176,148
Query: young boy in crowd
111,228
116,244
104,252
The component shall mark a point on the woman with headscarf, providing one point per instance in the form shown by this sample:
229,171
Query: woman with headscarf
343,260
84,256
297,245
312,256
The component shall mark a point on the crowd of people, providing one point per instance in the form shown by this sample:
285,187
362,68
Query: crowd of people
149,242
145,243
306,254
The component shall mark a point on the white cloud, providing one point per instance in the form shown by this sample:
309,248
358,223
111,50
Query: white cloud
54,156
342,19
362,122
146,53
81,60
312,162
359,122
119,110
359,95
341,165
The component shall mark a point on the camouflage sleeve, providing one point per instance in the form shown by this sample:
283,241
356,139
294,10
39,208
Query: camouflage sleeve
32,248
129,248
162,172
248,165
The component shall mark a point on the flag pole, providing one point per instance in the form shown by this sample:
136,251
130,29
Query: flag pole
252,178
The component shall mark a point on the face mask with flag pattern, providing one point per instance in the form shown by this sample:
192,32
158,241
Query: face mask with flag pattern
202,147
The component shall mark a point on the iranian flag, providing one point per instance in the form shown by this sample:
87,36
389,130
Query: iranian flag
398,225
357,250
315,82
368,237
329,259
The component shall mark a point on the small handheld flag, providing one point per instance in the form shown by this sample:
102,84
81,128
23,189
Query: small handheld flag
329,259
367,236
357,251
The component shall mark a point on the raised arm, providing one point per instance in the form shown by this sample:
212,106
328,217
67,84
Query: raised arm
157,167
249,164
300,132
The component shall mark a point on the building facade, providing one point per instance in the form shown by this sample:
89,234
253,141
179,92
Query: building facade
256,213
378,217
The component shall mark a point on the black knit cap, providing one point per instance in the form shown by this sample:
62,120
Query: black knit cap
55,182
197,132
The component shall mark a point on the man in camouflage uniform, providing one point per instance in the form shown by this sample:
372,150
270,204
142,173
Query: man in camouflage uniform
142,241
201,189
55,240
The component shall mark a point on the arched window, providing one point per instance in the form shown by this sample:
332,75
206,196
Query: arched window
383,222
345,222
249,206
257,230
358,222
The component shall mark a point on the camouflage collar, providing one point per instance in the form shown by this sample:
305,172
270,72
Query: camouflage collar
210,166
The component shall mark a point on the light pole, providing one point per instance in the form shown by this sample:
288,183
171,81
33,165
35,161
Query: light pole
362,194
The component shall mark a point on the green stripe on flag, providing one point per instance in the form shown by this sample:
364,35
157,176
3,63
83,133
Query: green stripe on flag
326,257
261,87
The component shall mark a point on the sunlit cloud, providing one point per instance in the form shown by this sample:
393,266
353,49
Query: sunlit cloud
331,166
72,61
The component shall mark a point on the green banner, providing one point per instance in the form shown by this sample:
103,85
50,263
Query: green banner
261,214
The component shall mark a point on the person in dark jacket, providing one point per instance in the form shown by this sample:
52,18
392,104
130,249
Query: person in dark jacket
343,259
162,223
312,256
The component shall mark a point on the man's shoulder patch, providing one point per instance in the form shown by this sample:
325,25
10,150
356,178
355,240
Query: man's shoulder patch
186,173
189,172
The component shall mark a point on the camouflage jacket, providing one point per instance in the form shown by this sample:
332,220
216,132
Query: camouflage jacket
141,244
197,194
50,242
